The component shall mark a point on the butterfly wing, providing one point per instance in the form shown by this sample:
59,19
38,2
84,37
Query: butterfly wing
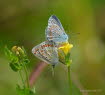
46,52
38,51
53,52
54,31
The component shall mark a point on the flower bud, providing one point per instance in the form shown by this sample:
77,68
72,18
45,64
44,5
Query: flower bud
17,50
14,48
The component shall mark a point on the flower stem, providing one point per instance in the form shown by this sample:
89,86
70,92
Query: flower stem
26,73
69,80
20,73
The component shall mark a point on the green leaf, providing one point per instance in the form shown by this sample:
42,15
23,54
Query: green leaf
24,91
19,90
7,52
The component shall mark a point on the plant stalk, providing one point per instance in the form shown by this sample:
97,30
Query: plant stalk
26,73
69,81
20,73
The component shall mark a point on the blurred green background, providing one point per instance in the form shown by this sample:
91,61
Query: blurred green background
23,23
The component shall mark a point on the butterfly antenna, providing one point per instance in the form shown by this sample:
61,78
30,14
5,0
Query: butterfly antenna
76,33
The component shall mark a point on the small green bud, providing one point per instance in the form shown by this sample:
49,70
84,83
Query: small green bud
15,66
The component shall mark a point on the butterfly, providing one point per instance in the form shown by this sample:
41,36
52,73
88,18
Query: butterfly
47,51
54,31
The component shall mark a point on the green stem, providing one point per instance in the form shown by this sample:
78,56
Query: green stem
70,82
21,77
26,73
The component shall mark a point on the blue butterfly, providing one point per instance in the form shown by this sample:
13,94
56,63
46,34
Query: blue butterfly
55,32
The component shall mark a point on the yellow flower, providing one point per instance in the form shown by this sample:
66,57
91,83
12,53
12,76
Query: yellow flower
64,52
66,47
